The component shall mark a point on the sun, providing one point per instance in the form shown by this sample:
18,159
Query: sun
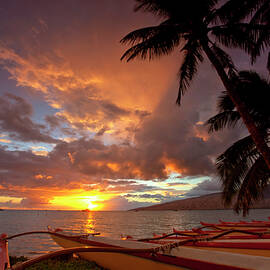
92,206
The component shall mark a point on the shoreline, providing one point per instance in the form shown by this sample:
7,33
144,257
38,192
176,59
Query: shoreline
60,263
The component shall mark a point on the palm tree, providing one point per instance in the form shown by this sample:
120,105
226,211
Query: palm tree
241,168
192,26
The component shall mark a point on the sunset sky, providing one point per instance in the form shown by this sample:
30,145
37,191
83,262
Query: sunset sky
81,129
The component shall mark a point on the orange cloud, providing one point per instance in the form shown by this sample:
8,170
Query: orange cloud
200,131
114,166
5,140
96,95
171,166
40,153
71,157
39,176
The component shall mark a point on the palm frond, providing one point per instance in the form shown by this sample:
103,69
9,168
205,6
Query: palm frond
172,8
262,14
152,42
245,83
255,182
225,103
235,11
224,59
250,77
240,35
226,119
233,164
258,105
241,167
241,149
152,6
263,42
268,62
232,177
142,34
192,57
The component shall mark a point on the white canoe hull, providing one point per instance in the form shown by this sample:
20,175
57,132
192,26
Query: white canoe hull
175,259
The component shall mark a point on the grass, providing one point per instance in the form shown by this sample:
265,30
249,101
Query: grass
66,262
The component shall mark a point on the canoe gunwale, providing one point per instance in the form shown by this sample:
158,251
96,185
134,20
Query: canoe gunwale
249,225
153,254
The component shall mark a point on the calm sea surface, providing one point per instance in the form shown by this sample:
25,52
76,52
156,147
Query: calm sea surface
112,224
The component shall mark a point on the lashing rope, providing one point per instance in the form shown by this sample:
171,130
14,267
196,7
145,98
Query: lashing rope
47,232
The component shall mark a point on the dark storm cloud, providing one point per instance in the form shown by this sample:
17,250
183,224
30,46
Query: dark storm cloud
19,168
156,197
142,114
179,133
119,182
177,184
9,204
22,171
113,111
205,187
15,119
34,202
92,157
60,123
121,203
54,121
93,109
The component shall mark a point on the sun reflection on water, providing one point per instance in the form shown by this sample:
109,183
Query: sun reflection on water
90,223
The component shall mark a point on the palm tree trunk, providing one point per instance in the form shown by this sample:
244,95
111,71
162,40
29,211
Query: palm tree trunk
240,106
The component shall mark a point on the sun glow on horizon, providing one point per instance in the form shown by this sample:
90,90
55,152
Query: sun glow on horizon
95,202
94,206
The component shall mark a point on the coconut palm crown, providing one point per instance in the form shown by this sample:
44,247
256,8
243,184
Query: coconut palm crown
241,168
197,29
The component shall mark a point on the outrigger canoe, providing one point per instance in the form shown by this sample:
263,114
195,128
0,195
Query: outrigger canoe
226,234
243,225
168,254
207,248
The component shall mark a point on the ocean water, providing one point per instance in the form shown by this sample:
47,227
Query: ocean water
138,224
